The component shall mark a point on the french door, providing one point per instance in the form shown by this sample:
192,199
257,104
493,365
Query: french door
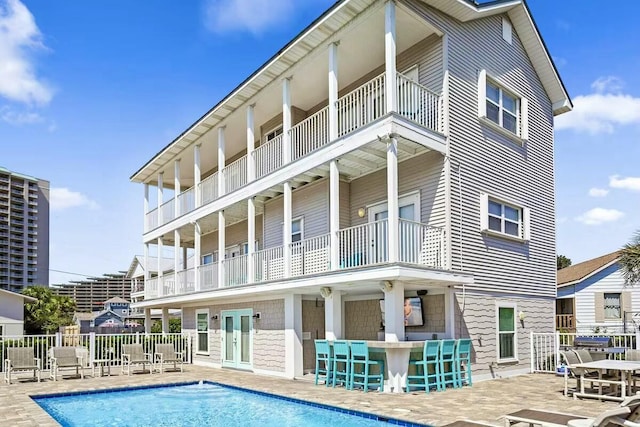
408,209
237,337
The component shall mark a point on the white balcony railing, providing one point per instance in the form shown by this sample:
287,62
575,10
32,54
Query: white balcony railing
235,175
361,106
151,288
268,157
169,284
208,276
356,109
209,189
269,264
235,271
310,134
310,256
186,281
364,244
417,103
421,244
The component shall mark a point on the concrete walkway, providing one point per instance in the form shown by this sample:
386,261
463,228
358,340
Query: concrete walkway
486,401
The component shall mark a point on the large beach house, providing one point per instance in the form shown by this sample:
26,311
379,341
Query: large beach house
387,175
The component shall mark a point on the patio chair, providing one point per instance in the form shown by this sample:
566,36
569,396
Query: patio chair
65,358
571,359
428,368
360,368
633,356
20,359
627,413
166,354
341,357
133,354
323,361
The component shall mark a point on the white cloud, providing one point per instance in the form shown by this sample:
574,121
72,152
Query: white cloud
599,216
254,16
628,183
63,198
19,118
598,192
19,37
603,110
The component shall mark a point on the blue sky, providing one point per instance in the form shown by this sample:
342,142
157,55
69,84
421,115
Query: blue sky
89,91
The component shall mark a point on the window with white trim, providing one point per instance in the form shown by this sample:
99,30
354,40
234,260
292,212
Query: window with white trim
504,218
507,333
297,230
202,328
273,134
207,259
612,306
502,108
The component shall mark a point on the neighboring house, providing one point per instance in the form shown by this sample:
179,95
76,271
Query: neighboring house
392,150
12,313
114,314
592,297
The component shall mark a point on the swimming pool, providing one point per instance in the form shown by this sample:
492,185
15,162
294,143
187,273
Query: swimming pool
198,404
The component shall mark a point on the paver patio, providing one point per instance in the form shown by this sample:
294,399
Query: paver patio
485,401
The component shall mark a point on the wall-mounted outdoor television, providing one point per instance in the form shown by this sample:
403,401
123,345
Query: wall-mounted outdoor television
412,311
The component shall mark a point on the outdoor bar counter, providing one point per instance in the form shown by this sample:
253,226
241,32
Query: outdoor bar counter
397,355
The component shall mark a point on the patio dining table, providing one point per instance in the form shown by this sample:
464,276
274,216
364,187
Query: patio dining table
624,369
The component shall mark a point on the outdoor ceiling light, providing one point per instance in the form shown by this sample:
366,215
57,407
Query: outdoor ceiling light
325,292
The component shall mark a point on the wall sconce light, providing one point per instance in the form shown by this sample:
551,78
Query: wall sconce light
521,316
325,292
257,316
362,212
386,286
214,317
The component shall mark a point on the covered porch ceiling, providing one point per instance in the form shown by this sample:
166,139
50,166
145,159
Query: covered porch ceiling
358,27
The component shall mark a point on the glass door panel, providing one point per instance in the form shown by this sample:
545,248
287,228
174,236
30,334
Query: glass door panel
245,339
229,339
237,339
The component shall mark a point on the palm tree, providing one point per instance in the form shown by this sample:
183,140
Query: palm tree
630,260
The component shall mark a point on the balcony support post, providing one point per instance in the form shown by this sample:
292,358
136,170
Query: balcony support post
334,213
333,91
391,86
176,188
147,320
251,238
251,144
286,238
286,121
146,273
393,311
177,266
293,335
160,197
197,255
221,162
197,176
392,198
165,320
146,206
221,248
333,315
160,270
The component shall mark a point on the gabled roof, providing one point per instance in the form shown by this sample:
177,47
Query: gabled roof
316,35
83,316
168,264
116,299
15,294
579,272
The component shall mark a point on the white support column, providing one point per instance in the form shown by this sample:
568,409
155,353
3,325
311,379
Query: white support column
221,248
251,164
197,175
391,85
334,213
251,237
146,206
160,197
450,313
393,311
147,320
177,189
197,255
165,320
177,265
333,325
293,335
221,162
286,121
147,267
333,91
286,237
392,198
160,271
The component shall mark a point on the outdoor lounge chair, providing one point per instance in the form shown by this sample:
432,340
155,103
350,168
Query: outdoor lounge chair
627,413
571,359
65,358
133,354
165,353
21,359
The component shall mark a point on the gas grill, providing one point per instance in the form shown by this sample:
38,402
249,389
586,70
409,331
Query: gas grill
597,345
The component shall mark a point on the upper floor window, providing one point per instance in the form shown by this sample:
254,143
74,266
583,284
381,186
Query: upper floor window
273,134
503,218
296,230
502,108
207,259
612,306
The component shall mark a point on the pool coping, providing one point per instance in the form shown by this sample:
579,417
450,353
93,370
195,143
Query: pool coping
362,414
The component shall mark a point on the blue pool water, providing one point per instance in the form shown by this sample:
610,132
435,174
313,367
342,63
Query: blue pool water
205,404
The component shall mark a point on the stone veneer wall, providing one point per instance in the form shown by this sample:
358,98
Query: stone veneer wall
312,322
268,332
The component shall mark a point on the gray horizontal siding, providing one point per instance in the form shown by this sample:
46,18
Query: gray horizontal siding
235,234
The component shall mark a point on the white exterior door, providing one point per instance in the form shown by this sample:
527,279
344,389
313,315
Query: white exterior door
408,209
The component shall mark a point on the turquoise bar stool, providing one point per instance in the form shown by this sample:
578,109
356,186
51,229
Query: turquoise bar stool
447,364
341,358
324,361
428,369
361,363
463,362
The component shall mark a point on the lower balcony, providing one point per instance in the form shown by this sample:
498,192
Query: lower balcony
361,246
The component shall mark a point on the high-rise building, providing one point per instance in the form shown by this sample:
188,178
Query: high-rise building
24,231
91,293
